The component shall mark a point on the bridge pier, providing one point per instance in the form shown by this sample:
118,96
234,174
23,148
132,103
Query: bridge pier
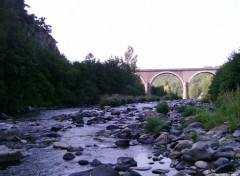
185,90
148,89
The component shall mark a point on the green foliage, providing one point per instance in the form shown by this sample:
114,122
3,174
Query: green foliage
171,96
158,91
162,108
34,73
154,125
187,111
227,77
170,83
228,111
199,85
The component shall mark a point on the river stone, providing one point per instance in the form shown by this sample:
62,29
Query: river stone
195,125
95,163
9,155
236,133
115,112
199,151
146,168
102,170
68,156
202,165
175,155
60,145
83,162
183,144
220,161
122,143
224,168
182,165
57,127
74,148
160,171
52,135
227,152
113,127
126,161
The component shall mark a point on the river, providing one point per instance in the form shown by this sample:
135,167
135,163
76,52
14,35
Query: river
43,160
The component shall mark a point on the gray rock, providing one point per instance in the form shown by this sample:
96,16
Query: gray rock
68,156
122,143
57,127
115,112
83,162
199,151
183,144
202,165
220,161
101,170
95,163
182,165
9,155
226,152
195,125
126,161
224,168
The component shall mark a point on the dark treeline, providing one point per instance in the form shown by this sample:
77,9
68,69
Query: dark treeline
34,73
227,78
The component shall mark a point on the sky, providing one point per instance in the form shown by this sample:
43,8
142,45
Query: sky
163,33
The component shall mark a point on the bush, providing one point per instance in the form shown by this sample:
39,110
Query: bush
162,108
154,125
228,110
187,110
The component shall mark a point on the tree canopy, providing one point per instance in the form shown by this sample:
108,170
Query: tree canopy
34,73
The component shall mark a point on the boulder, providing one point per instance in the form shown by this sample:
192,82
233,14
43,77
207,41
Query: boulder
183,144
199,151
115,112
68,156
60,145
102,170
220,161
57,127
126,161
95,163
74,148
8,155
227,152
202,165
122,143
195,125
83,162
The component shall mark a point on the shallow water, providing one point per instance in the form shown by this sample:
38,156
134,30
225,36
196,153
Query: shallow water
44,160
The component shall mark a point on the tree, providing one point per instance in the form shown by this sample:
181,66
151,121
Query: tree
129,58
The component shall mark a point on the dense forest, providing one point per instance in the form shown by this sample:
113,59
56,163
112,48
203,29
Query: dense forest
34,73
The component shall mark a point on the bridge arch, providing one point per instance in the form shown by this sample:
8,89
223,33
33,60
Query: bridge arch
172,73
184,74
166,72
204,71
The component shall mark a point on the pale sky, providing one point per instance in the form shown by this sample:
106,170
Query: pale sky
164,33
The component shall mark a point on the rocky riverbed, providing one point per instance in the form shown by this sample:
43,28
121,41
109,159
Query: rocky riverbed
111,142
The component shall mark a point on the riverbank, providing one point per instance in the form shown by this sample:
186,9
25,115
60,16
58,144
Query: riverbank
68,141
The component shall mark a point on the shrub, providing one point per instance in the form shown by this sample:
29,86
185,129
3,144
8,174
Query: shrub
162,108
187,110
154,125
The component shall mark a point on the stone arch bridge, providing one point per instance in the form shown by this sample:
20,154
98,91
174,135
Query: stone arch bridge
184,74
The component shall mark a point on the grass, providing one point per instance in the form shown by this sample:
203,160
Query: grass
187,111
228,111
154,125
162,108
